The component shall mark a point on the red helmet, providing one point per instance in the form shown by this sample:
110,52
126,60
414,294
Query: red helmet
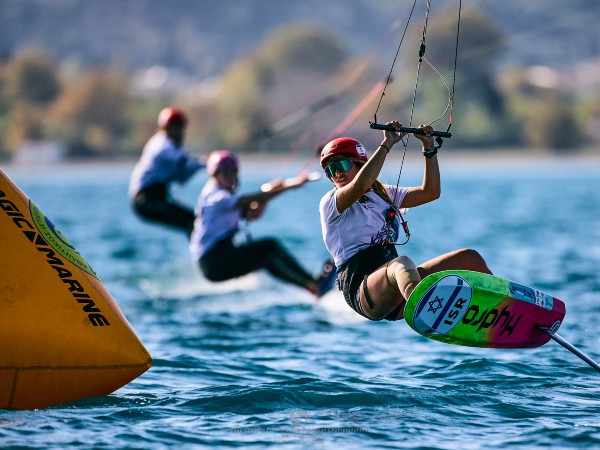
343,146
221,160
171,116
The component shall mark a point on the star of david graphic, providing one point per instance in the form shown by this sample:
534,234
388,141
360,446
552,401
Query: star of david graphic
433,307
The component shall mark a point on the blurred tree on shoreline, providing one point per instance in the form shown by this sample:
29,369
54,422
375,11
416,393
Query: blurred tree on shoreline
282,74
92,113
29,83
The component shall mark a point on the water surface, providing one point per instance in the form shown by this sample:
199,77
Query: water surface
258,364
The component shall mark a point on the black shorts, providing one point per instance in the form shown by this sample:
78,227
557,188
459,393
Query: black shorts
153,203
226,261
357,268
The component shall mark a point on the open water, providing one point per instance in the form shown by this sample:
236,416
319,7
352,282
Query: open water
258,364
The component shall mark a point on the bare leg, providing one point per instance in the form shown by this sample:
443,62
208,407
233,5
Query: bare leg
388,294
388,288
463,259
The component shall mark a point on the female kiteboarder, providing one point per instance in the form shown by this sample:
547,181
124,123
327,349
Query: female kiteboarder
218,214
360,220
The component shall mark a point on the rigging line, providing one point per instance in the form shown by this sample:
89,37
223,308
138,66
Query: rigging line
393,210
412,108
388,78
348,120
449,106
421,55
296,145
328,100
451,91
350,80
455,64
365,101
362,65
342,127
450,94
353,115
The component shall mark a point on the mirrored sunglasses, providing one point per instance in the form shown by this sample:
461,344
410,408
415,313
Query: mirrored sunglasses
341,166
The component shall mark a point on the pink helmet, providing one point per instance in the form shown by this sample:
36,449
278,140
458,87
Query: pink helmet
171,116
221,160
343,146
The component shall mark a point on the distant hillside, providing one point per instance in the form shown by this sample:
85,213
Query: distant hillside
201,37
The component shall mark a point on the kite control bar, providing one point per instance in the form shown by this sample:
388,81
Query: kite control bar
380,126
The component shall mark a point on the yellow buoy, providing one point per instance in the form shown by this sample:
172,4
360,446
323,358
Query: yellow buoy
62,336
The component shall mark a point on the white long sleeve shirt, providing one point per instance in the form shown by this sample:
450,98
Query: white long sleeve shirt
162,162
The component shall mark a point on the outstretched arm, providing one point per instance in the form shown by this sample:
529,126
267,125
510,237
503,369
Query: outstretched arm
255,203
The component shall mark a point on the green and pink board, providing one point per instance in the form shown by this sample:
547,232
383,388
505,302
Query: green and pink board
480,310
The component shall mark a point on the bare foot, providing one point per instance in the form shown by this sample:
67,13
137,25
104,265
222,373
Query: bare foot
313,288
